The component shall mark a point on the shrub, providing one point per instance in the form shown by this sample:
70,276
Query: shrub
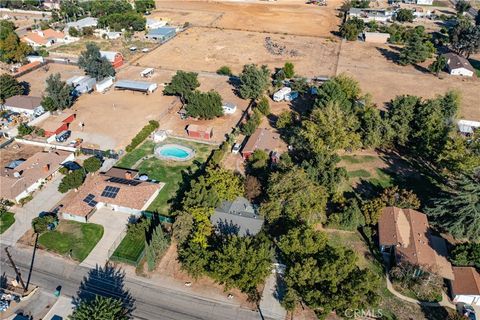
72,180
142,135
263,106
24,129
225,71
249,127
218,154
40,224
92,164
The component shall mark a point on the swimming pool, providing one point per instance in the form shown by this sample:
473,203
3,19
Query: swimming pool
174,152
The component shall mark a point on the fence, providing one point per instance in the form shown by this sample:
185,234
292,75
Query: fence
45,145
96,152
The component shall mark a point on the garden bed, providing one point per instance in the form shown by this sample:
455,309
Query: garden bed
72,238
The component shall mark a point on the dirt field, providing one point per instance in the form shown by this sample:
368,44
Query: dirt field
384,79
37,78
204,49
292,17
16,151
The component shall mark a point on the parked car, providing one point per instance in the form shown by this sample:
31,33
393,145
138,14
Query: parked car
63,136
236,148
145,50
468,312
133,49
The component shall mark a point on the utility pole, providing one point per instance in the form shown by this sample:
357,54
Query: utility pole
19,275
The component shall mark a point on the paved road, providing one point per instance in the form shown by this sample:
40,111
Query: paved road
151,301
43,200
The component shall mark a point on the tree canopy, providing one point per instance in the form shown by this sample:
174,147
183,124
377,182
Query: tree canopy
101,308
254,81
464,37
94,64
416,50
204,105
182,84
58,94
9,87
92,164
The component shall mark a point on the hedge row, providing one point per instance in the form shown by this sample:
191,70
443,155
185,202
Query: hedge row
142,135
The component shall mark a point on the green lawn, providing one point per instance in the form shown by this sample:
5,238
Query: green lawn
78,237
131,247
382,179
358,159
6,220
359,174
169,172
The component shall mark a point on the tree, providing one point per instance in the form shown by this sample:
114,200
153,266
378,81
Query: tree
253,81
194,258
24,129
477,18
58,94
263,106
94,64
340,89
249,127
72,180
202,227
156,247
372,209
464,37
73,32
143,6
101,308
404,15
224,70
204,105
182,84
401,112
40,224
350,218
92,164
466,254
438,65
416,50
242,262
372,128
293,197
9,87
459,155
351,28
129,20
182,227
12,49
289,70
253,188
225,183
462,6
396,197
458,211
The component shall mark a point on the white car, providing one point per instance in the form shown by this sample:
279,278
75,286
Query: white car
236,148
133,48
145,50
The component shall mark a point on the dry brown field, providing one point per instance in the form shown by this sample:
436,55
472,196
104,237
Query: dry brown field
292,17
206,49
385,79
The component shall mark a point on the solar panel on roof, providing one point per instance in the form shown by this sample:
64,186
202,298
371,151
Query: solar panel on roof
125,181
92,203
89,198
110,192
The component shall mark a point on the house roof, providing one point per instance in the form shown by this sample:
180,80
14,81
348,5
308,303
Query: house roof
467,126
237,217
41,37
82,23
467,281
455,61
198,128
23,102
408,231
263,139
39,166
116,172
28,66
163,31
110,55
131,194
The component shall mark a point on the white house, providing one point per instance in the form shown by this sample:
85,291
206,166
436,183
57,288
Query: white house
380,15
82,23
458,66
280,94
466,286
103,85
31,106
467,127
47,38
154,23
425,2
229,108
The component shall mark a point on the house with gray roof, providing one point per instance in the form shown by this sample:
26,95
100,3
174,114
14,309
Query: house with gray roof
237,217
161,34
82,23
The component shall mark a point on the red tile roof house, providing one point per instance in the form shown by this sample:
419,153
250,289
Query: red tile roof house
466,286
21,179
405,234
264,139
110,191
47,38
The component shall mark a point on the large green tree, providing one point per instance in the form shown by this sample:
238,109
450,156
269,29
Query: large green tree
94,64
254,81
58,94
72,180
143,6
464,37
351,28
182,84
458,211
416,50
401,112
204,105
101,308
9,87
12,49
404,15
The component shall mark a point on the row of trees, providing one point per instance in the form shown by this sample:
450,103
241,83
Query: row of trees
11,48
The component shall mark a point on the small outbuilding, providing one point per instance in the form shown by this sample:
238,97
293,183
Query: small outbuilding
31,106
280,94
376,37
467,127
103,85
155,24
458,65
114,57
229,108
466,286
147,73
161,34
82,23
146,87
200,132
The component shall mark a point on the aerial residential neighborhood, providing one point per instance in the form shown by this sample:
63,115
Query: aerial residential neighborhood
240,159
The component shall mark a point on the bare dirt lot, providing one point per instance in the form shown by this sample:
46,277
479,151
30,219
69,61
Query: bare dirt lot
205,49
385,79
15,151
292,17
37,78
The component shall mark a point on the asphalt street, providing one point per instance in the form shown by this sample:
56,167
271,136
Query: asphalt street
150,301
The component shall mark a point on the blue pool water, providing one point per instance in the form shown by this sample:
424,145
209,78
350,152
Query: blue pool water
174,152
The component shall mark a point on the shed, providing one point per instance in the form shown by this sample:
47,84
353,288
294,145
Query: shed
103,85
161,34
229,108
458,65
85,85
376,37
147,72
467,127
82,23
280,94
136,86
200,132
154,23
114,57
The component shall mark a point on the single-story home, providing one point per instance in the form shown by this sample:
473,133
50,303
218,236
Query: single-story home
31,106
376,37
458,65
466,286
381,15
47,38
114,57
405,235
21,178
467,127
142,86
264,139
82,23
161,34
200,132
425,2
116,189
155,23
237,217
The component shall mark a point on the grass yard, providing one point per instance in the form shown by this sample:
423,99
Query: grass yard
6,220
355,159
359,174
130,248
79,238
169,172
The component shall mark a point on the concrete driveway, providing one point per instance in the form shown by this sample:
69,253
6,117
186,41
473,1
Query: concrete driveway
43,200
113,223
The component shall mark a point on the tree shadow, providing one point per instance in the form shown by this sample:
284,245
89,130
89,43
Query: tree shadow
25,87
435,313
107,281
391,55
235,83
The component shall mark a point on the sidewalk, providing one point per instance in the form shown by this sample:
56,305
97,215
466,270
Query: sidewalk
43,200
